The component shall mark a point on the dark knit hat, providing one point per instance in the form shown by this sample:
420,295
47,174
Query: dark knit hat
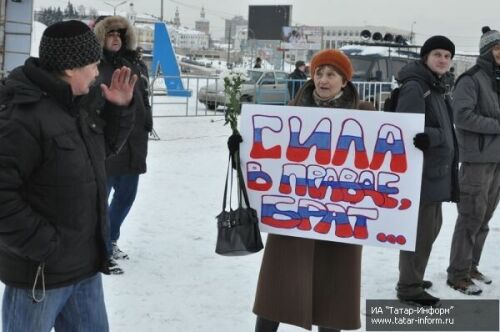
68,45
488,39
333,58
437,42
299,64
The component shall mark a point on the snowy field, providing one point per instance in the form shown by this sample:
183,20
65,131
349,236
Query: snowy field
175,282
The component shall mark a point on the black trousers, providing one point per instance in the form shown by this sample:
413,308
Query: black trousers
266,325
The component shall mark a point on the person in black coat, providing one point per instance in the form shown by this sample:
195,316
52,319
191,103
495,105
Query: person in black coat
117,37
258,63
297,78
56,130
423,91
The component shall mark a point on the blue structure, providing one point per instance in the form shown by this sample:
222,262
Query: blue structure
15,33
164,57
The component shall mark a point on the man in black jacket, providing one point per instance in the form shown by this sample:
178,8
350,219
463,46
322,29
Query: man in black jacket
424,91
258,63
297,78
55,132
117,37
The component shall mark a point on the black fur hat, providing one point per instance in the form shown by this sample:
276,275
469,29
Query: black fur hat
299,63
436,42
68,45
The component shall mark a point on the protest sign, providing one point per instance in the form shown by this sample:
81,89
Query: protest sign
333,174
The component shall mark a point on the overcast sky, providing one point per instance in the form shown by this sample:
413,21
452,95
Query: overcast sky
461,21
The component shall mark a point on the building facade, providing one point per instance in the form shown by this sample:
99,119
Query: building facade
231,26
187,38
202,24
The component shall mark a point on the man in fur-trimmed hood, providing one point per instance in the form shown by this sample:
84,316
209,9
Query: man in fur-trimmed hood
117,24
118,40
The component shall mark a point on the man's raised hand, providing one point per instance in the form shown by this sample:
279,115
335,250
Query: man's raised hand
121,89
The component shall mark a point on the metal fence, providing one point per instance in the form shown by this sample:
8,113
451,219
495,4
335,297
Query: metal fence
211,102
167,106
374,92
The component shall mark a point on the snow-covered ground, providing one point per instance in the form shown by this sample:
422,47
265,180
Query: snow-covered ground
175,282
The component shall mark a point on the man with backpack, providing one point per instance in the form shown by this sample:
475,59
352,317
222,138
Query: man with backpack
477,113
423,91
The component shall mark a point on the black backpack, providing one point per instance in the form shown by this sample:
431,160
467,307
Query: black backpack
469,72
391,102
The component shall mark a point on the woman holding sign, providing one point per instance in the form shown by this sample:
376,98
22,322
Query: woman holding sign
308,282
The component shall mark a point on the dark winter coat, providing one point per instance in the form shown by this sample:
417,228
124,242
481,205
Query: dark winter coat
440,170
52,177
132,157
308,282
477,114
297,79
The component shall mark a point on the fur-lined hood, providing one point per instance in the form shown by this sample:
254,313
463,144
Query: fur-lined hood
116,23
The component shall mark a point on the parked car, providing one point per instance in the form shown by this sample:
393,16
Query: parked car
260,87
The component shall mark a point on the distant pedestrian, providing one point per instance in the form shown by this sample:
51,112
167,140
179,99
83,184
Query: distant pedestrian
118,39
297,78
449,80
477,114
258,63
423,91
142,65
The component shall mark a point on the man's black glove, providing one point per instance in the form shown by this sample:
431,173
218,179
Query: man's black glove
422,141
233,143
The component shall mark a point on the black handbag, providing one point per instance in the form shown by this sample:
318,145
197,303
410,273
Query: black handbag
238,230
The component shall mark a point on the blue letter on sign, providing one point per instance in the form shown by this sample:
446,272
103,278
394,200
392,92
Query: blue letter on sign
164,56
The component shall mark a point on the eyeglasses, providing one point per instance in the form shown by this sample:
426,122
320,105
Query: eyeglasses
112,34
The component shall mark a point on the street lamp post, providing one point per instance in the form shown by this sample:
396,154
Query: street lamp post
251,42
161,13
115,6
411,31
228,48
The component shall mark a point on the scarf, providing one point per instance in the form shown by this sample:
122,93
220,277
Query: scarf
327,102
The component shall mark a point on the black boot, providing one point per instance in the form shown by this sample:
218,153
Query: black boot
422,299
266,325
327,329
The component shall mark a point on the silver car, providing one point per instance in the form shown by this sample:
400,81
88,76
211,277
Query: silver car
261,87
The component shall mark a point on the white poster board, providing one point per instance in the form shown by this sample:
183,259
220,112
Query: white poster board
302,38
332,174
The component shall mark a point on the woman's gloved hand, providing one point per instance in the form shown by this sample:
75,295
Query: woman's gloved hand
422,141
233,143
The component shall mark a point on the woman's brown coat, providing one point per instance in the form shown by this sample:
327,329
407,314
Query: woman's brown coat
308,282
